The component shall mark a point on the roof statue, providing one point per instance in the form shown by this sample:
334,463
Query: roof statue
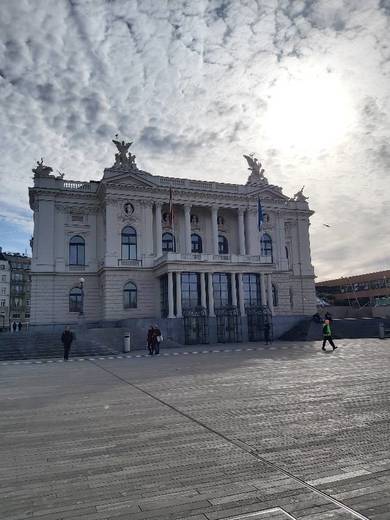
299,196
123,158
41,170
257,172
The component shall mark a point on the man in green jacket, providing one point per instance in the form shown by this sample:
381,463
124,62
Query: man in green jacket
327,335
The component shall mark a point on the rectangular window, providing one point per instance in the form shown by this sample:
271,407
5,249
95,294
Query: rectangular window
252,293
2,266
190,290
27,315
3,290
2,303
222,290
164,296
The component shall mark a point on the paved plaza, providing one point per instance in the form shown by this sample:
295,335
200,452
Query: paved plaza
238,431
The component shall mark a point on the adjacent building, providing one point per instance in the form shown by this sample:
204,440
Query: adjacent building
209,261
19,287
370,289
5,277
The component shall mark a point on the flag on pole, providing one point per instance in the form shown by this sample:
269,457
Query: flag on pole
170,206
260,215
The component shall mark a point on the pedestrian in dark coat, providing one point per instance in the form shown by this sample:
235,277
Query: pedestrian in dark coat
327,335
157,338
67,338
150,340
14,326
20,326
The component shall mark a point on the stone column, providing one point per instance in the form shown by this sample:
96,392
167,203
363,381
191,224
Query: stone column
234,290
262,290
241,294
214,226
253,235
158,229
187,229
203,290
211,295
147,248
241,232
269,293
178,296
170,295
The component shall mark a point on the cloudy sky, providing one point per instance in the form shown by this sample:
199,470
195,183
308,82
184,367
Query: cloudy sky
195,84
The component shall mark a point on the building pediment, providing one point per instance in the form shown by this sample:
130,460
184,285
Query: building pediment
268,191
132,178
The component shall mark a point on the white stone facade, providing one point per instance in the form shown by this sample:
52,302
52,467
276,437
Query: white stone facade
5,281
97,213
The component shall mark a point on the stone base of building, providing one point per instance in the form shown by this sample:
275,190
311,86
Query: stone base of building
177,331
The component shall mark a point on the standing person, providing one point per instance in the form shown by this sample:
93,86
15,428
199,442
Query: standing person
150,340
67,338
20,326
327,335
14,326
157,338
267,329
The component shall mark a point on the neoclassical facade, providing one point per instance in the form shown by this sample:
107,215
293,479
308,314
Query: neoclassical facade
191,255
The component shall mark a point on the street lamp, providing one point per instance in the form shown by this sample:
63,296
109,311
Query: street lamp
81,313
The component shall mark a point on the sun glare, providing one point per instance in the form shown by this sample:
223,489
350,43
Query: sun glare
308,115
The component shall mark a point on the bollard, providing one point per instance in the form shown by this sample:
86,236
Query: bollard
381,330
126,342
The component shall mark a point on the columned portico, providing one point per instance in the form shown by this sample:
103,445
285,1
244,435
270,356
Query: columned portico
241,294
211,295
269,293
241,232
203,290
214,226
170,296
262,290
158,227
178,295
187,227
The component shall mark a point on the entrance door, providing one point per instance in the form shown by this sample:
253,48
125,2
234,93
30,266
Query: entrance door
196,326
258,316
228,325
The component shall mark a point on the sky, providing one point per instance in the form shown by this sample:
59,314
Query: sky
195,84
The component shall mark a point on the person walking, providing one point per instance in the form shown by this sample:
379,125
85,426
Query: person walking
150,340
157,338
14,326
20,326
327,335
267,329
328,316
67,338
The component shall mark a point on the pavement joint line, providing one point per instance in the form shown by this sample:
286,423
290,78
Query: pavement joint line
239,444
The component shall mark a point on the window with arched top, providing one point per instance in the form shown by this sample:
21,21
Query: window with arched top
75,300
266,245
129,243
275,298
77,251
223,246
196,243
168,243
130,296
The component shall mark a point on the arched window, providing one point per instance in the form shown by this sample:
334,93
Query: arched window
275,298
196,243
266,245
168,242
75,300
223,247
130,296
129,243
77,251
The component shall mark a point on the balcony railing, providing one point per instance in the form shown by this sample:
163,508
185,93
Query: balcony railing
204,257
128,263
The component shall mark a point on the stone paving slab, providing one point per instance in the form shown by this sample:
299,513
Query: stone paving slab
199,434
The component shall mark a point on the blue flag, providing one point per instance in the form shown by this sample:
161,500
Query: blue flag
260,215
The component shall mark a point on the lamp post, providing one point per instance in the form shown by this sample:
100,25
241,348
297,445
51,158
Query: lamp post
81,313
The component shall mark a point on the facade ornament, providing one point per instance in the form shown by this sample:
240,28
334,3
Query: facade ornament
124,159
41,170
299,196
257,172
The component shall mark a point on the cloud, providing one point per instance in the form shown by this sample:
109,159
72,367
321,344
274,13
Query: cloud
192,84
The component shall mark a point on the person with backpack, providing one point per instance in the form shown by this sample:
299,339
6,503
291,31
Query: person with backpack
67,338
327,335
